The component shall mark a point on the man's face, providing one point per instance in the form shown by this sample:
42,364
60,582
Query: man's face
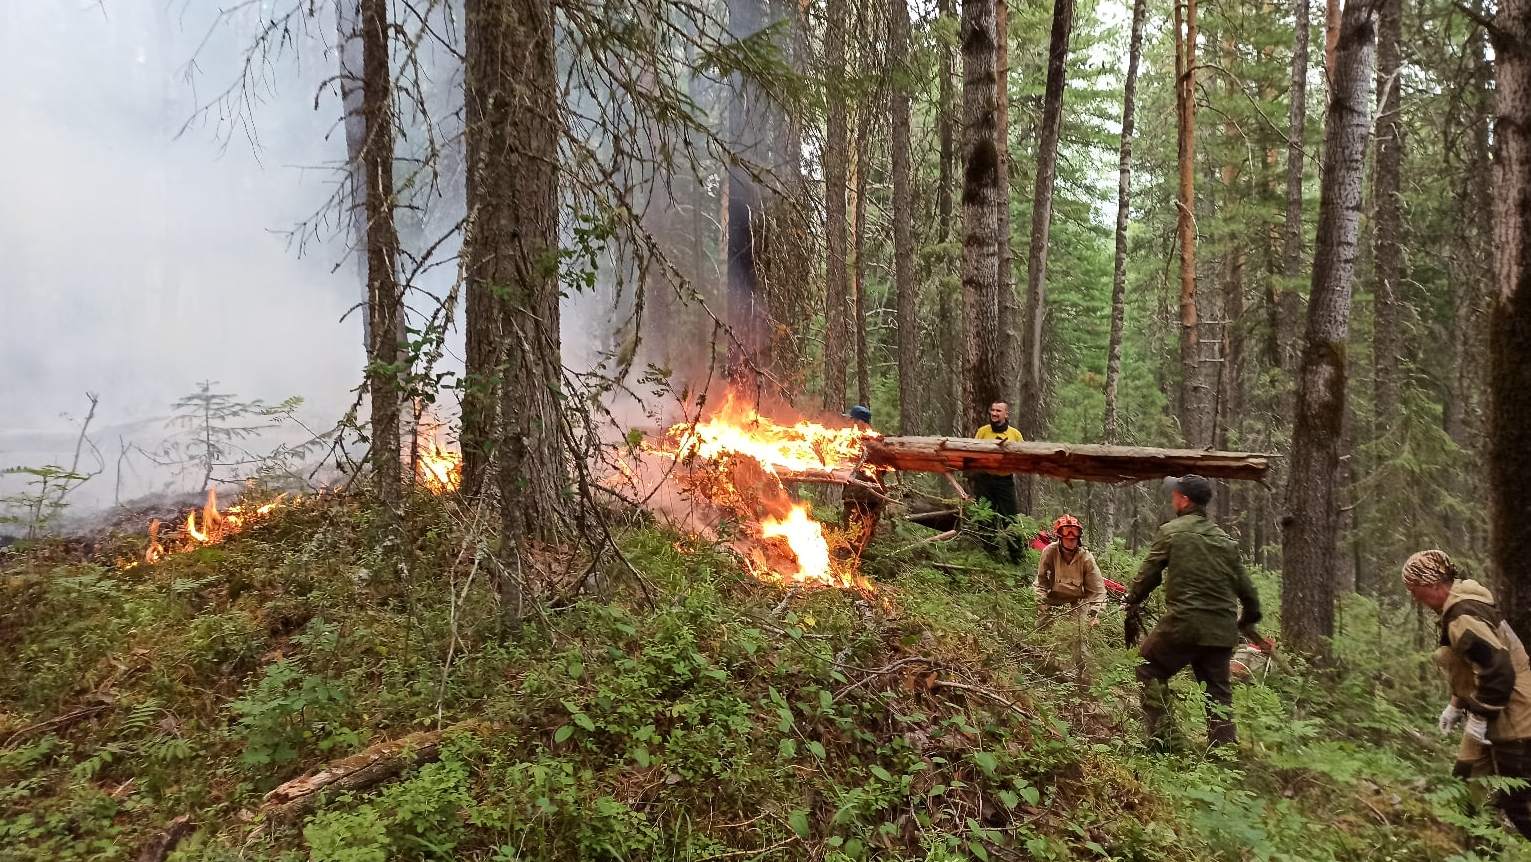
1432,596
999,411
1181,502
1069,537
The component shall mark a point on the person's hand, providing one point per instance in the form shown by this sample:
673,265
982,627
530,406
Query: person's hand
1449,717
1476,729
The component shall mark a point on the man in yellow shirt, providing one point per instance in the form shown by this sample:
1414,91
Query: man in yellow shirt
998,489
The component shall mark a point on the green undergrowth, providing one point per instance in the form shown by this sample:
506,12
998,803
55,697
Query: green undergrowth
718,718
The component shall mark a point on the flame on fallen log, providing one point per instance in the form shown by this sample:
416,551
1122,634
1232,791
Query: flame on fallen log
738,460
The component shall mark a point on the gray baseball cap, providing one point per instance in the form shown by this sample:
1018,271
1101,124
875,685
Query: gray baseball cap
1197,489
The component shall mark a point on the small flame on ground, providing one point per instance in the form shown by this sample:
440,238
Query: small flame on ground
805,537
213,527
437,468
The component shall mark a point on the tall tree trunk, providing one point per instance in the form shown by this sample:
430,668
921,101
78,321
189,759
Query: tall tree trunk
1111,432
1309,540
1009,356
1388,228
858,275
903,219
836,298
949,378
1510,318
1194,424
384,299
1332,24
1033,370
512,141
982,381
1285,325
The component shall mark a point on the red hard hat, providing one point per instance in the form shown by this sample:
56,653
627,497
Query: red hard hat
1067,521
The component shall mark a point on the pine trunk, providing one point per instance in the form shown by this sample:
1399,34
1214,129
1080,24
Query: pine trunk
1029,412
384,299
1510,317
1194,414
1388,226
903,219
948,388
1284,326
1291,303
1009,355
1311,522
512,139
982,383
1110,432
858,276
836,152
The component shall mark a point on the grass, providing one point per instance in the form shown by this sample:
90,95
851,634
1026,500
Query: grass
932,721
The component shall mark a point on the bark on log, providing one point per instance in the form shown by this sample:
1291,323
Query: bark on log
361,770
1085,462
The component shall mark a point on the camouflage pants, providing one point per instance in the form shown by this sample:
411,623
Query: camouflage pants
1162,659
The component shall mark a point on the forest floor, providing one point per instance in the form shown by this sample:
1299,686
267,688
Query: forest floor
713,719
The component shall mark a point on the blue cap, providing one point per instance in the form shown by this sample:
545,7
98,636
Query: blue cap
861,413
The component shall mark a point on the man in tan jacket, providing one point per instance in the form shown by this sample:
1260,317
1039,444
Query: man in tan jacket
1489,675
1067,576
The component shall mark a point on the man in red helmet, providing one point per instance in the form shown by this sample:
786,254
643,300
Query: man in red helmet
1067,576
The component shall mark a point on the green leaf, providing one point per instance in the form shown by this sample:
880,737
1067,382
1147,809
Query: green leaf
1031,795
563,733
787,748
881,773
584,721
816,748
1010,799
986,761
978,850
576,668
826,702
798,820
641,754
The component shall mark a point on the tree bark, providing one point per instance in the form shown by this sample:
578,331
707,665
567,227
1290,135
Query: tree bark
1333,17
1291,302
1194,414
1029,412
384,299
1510,319
903,220
948,388
1065,461
512,139
836,298
1009,355
1388,226
982,381
1284,326
1110,433
858,275
1309,541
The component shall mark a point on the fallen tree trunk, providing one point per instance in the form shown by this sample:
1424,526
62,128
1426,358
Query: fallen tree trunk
1067,461
361,770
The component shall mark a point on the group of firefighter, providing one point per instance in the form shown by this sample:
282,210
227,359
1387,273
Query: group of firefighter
1211,609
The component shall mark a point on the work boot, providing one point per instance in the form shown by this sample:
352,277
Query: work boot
1159,718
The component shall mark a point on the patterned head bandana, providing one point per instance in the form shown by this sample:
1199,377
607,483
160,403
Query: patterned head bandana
1428,567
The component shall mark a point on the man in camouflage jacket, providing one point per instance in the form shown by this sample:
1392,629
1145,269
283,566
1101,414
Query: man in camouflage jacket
1205,586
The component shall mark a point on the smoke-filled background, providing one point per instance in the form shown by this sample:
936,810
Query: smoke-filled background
140,258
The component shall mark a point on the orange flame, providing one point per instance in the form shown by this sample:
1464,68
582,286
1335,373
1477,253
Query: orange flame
213,527
739,460
805,537
437,468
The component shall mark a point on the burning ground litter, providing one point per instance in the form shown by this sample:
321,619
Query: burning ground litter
736,464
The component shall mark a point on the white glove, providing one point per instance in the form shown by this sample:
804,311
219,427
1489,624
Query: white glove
1476,729
1449,718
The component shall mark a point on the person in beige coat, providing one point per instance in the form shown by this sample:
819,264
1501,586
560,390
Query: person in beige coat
1489,674
1067,576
